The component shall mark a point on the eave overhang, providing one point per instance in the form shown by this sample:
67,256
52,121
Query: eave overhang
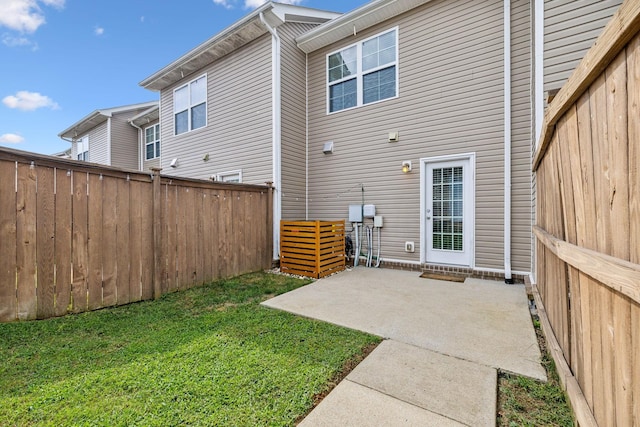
353,22
232,38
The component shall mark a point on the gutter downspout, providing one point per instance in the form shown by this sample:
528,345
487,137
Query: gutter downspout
277,136
109,140
306,136
507,142
140,140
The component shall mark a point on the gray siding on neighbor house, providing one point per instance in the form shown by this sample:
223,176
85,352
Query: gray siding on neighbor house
450,102
238,134
124,141
570,28
154,163
293,122
99,144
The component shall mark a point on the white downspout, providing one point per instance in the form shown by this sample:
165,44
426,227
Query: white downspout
306,136
109,141
507,141
277,137
141,152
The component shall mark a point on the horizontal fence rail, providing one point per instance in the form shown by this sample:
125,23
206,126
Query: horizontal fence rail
588,228
76,237
312,248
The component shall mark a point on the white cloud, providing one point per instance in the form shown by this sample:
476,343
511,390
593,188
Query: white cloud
251,4
29,101
98,31
11,138
25,15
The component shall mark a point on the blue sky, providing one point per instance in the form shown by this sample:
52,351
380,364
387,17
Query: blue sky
62,59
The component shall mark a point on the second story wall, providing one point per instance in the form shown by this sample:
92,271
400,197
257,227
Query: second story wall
124,141
293,122
570,28
238,132
99,144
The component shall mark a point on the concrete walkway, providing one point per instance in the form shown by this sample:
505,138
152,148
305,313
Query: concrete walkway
445,342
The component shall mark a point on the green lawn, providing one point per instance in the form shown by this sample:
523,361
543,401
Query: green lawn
207,356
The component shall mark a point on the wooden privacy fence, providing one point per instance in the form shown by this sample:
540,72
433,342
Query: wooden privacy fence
76,237
312,248
588,227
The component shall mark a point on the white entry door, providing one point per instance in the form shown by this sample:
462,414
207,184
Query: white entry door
449,212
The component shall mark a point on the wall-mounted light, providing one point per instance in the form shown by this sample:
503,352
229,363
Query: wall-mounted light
174,163
406,166
394,136
205,158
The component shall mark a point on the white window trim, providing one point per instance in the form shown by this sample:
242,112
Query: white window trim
359,73
206,102
86,148
157,134
221,175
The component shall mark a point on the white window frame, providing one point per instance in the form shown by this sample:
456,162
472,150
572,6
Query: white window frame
82,149
359,75
223,176
191,105
156,131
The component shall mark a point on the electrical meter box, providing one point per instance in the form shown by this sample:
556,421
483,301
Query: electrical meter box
355,213
369,211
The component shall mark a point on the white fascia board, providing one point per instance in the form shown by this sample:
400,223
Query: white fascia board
99,116
357,20
231,38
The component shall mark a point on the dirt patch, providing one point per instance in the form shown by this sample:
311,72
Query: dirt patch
348,366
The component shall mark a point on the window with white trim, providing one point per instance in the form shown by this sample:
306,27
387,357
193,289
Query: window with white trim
363,73
82,149
190,106
231,176
152,142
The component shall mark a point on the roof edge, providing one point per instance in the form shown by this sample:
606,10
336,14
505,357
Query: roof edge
359,19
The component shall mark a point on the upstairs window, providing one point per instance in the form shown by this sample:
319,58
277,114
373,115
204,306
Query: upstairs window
82,149
152,142
363,73
190,106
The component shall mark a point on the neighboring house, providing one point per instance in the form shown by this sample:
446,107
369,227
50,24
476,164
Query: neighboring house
107,137
427,109
66,154
148,124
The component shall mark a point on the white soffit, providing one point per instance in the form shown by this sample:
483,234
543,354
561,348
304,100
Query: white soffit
364,17
232,38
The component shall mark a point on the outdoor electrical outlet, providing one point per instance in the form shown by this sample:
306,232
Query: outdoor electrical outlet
409,247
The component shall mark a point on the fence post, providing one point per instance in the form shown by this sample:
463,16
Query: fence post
270,225
157,233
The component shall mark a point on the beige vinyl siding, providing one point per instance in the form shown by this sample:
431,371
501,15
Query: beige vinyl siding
154,163
450,102
99,144
124,141
238,134
570,28
521,135
293,122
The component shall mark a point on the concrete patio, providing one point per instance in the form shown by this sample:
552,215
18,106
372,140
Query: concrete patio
444,343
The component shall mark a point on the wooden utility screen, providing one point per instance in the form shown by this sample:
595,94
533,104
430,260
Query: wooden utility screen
312,248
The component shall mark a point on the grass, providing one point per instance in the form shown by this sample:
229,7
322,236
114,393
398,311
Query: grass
207,356
523,401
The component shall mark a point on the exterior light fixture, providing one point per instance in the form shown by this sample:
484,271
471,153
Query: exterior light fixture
406,166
